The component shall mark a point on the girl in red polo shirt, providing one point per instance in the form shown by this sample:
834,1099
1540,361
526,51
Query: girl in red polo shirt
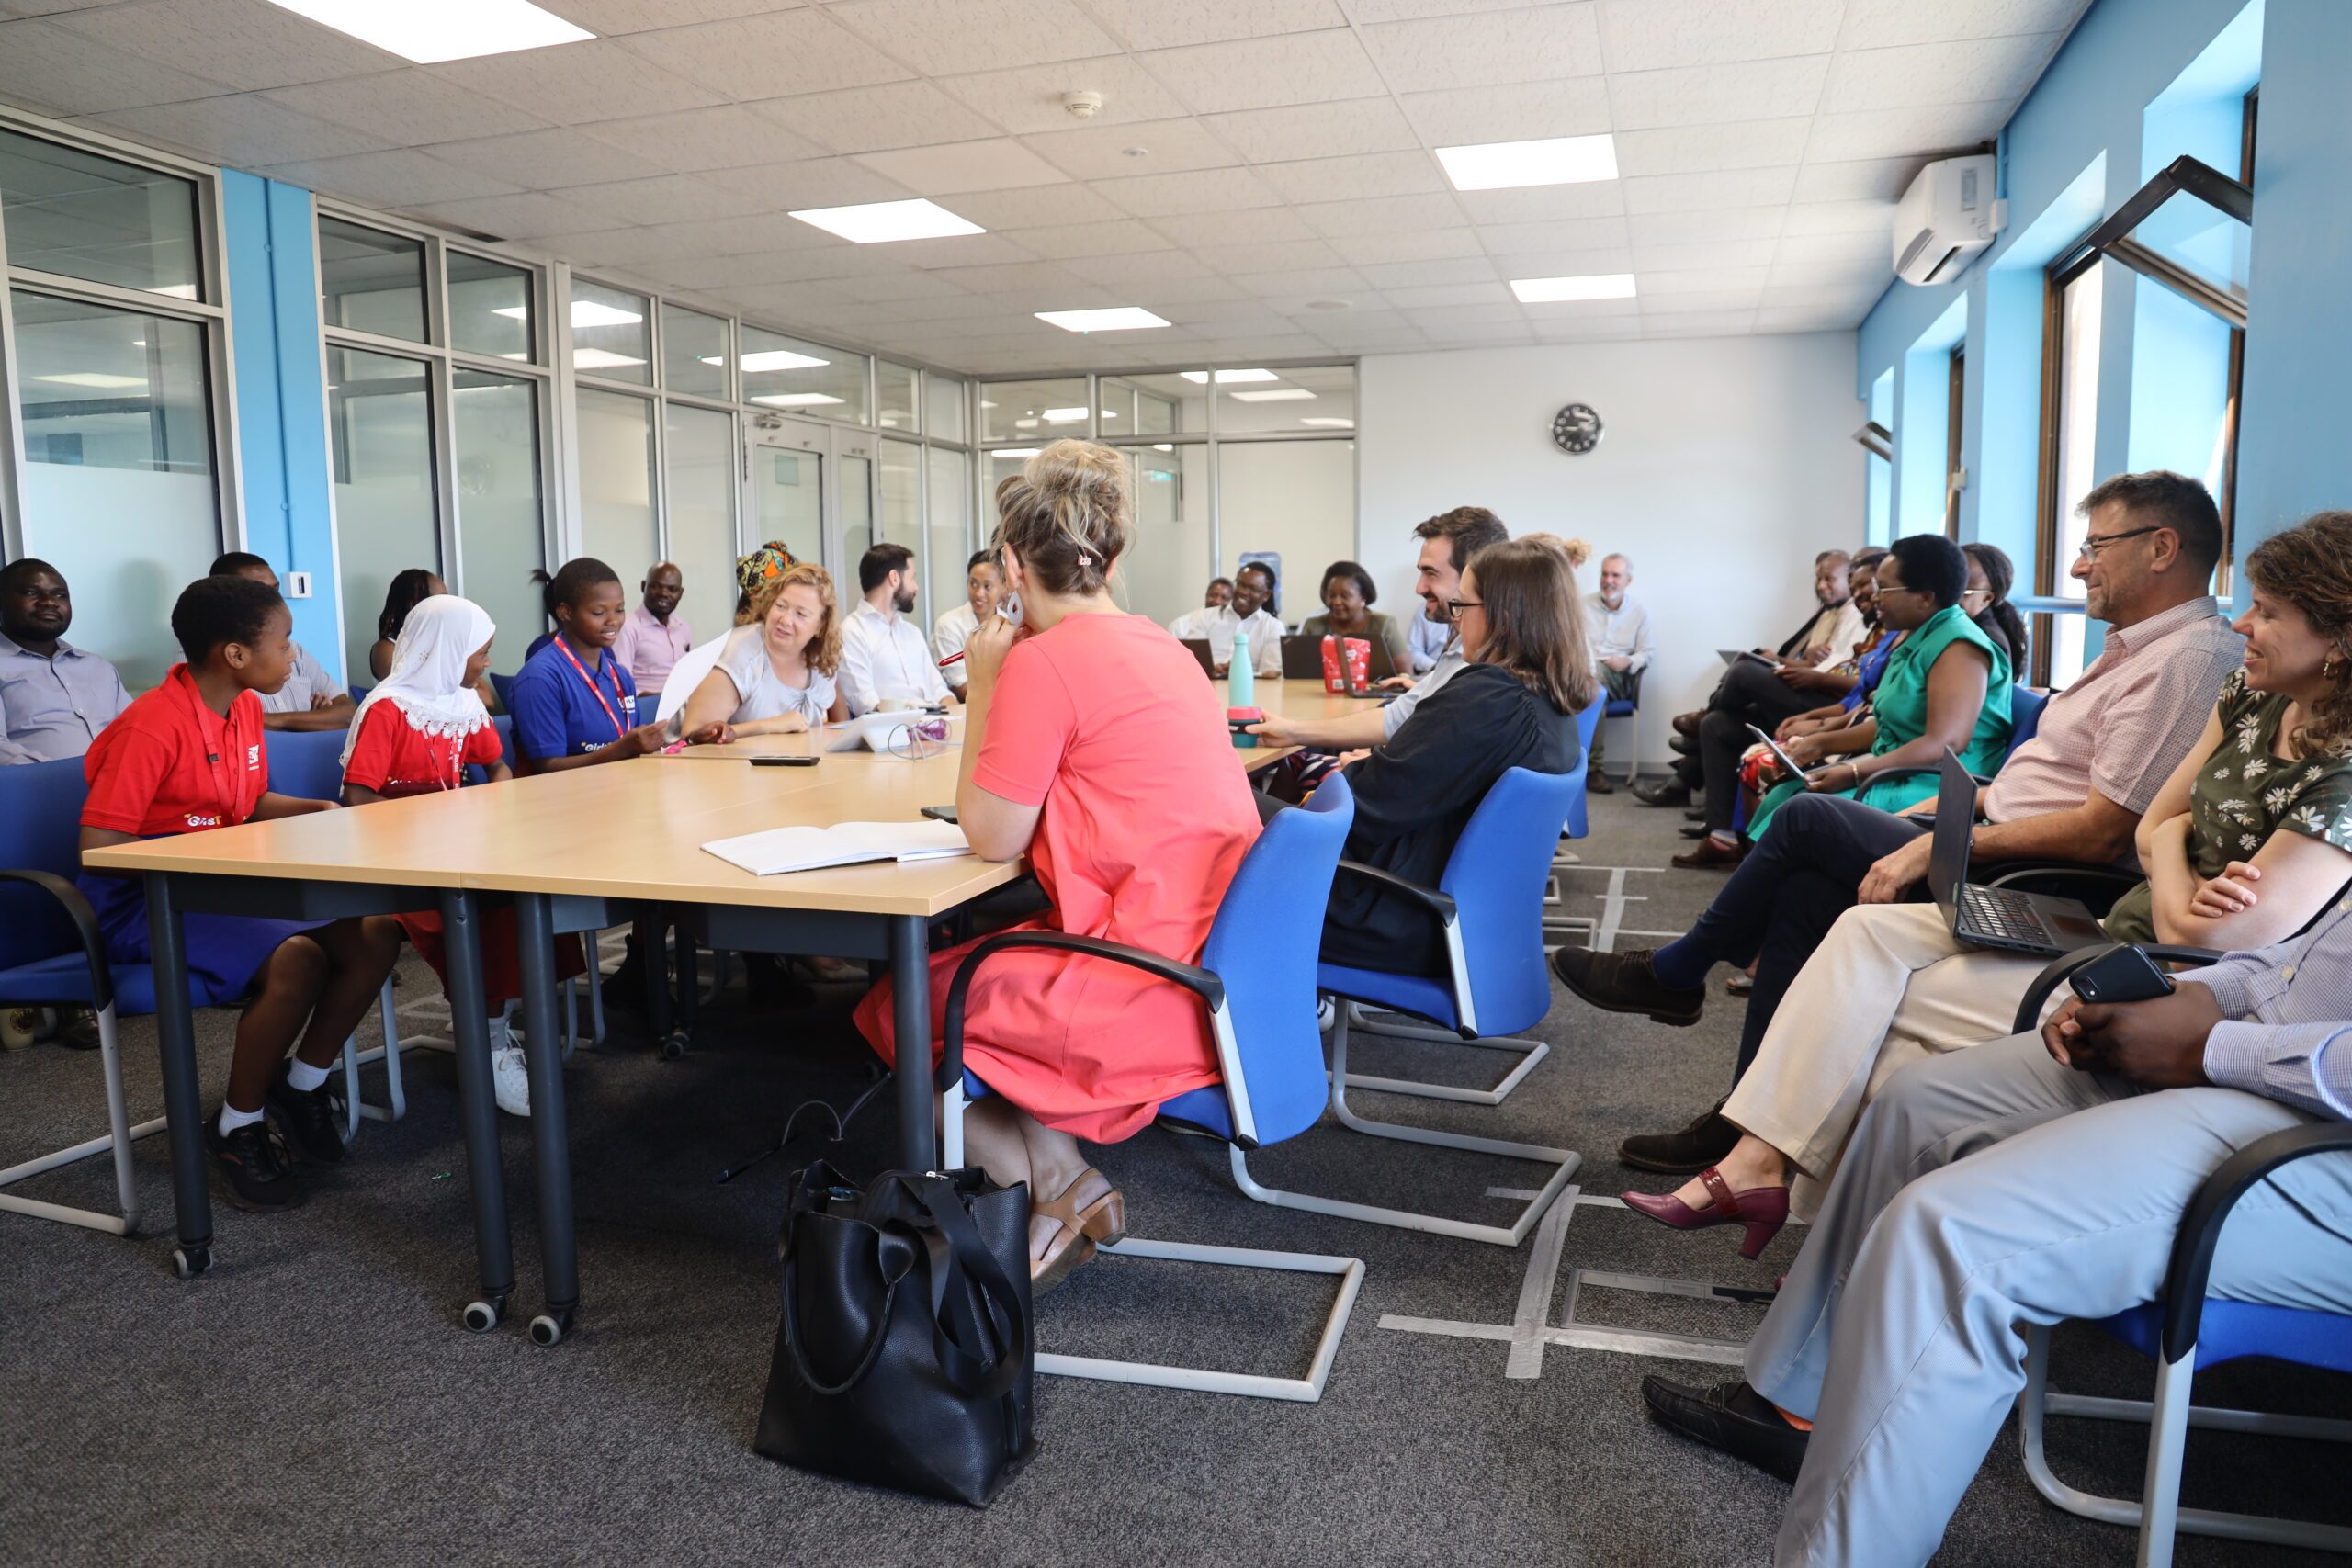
190,756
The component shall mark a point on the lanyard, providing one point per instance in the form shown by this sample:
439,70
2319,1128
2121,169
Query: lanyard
594,690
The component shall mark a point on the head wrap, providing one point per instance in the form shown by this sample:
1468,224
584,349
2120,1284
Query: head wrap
771,560
428,683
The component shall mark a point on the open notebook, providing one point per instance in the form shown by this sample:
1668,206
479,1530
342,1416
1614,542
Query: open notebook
844,843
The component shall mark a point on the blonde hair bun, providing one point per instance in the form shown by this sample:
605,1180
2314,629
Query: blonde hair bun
1068,514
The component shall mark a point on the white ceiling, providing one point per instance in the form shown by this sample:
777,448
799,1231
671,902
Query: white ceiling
1255,160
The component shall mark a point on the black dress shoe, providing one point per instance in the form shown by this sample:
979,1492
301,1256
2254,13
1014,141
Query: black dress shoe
1624,982
1693,829
1682,745
1662,792
1731,1416
1597,783
1695,812
1705,1142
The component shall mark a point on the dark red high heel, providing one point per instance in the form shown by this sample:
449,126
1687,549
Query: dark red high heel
1763,1209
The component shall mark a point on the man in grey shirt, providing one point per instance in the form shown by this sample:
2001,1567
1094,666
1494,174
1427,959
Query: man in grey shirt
54,697
1448,541
312,697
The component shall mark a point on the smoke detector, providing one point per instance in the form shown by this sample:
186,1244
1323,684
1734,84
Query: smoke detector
1082,106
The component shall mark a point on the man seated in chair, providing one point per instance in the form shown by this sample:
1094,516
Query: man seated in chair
2032,1180
1621,647
54,697
312,698
2075,792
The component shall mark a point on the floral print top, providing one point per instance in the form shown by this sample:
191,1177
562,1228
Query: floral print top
2245,792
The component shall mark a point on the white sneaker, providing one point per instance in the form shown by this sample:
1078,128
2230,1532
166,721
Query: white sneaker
1326,1014
512,1081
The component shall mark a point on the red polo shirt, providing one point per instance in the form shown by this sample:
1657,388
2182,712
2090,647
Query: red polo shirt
172,765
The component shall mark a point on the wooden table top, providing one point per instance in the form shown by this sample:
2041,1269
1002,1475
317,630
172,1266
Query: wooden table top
635,831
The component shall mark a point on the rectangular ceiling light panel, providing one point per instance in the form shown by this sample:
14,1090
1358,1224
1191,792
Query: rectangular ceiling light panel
1565,290
1115,319
1554,160
1274,395
431,31
1225,377
878,222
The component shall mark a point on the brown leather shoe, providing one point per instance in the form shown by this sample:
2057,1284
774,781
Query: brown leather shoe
1626,982
1709,854
1091,1211
1687,723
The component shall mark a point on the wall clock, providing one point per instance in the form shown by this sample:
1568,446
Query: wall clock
1575,429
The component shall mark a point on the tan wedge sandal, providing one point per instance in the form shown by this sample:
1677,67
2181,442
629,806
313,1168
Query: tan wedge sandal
1091,1212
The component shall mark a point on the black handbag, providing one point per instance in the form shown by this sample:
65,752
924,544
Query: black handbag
906,1355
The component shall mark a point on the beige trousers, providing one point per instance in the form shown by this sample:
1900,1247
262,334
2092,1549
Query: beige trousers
1890,986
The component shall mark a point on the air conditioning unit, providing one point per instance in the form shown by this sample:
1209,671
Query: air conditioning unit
1944,219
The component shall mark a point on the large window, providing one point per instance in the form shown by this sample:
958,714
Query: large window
500,516
700,458
2070,453
1164,573
616,482
370,281
81,215
610,337
782,372
387,508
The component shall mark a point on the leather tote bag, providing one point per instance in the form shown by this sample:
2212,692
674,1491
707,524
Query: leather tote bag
906,1354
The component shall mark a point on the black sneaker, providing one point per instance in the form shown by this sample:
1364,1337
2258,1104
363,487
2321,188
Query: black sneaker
256,1165
1624,982
1705,1142
312,1119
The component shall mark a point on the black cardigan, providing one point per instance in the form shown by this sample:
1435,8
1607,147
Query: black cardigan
1414,796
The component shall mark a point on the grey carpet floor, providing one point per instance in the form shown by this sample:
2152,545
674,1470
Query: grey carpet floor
312,1399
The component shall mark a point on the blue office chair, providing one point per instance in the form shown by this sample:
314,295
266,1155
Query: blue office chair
1488,908
1255,978
1588,725
504,686
1626,707
2185,1328
359,694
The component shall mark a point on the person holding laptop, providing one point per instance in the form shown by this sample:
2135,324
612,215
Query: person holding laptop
2247,841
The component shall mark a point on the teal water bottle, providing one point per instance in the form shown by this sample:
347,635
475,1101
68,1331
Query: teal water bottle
1240,680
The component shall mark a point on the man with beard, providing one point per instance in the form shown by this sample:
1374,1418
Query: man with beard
885,654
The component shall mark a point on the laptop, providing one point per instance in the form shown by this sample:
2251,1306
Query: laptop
1734,655
1200,650
1303,660
2000,917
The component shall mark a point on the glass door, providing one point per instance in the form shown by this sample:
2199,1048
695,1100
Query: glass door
853,457
785,479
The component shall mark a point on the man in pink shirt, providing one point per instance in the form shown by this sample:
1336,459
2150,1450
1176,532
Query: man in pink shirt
2075,792
654,635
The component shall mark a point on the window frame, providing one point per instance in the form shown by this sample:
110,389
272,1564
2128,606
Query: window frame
2070,265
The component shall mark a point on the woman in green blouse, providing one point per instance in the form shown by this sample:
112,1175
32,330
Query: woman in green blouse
1947,685
1349,594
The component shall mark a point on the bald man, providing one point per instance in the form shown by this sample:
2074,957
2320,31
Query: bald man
654,635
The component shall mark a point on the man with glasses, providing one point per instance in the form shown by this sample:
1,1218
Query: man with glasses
2076,792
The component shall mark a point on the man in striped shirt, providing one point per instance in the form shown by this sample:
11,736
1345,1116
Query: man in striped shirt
2036,1179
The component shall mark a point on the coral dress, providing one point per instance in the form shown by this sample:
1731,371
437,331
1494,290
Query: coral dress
1108,724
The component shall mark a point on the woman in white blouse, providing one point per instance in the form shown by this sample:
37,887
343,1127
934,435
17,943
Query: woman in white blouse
776,674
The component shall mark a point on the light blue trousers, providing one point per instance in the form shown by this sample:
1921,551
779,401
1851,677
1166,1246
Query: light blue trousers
1983,1190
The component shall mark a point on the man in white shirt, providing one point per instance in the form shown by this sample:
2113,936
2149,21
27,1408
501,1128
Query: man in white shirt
1621,647
1246,620
1195,624
883,654
312,698
983,596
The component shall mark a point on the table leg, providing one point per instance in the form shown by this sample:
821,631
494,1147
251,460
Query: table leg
183,1100
551,1140
653,941
478,1107
910,1021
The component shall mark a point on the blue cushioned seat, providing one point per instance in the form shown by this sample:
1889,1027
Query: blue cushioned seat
2231,1331
1420,995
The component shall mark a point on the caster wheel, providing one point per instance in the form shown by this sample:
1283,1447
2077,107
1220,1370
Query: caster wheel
549,1327
188,1262
483,1316
674,1047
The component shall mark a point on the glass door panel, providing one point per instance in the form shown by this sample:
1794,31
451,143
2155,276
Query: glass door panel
786,482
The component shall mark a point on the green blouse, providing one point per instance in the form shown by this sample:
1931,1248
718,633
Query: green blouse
2245,793
1384,629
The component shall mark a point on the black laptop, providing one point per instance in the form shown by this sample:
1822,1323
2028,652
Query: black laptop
1998,918
1198,646
1303,660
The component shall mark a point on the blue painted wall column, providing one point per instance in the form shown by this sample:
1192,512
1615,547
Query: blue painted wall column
274,332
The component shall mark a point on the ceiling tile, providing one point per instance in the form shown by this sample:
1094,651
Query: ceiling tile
1427,274
1204,190
1939,128
664,199
235,41
620,246
46,7
1379,215
937,37
728,136
870,119
1159,24
400,106
1874,24
1300,266
524,214
999,163
402,177
44,66
765,56
1863,179
1317,130
1248,226
1524,112
1651,35
1582,310
1694,193
1597,329
1655,281
1696,149
1711,323
1142,267
1770,319
1109,152
1708,226
1705,253
1255,73
1870,245
1099,237
1441,318
1343,179
574,83
953,250
1967,72
1028,100
1007,276
1359,250
608,17
1572,234
242,129
1713,95
539,160
1368,12
1449,294
809,181
1656,301
1563,264
1037,207
1841,218
1543,43
1545,204
1185,291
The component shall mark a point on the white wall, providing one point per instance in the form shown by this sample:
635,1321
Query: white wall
1724,465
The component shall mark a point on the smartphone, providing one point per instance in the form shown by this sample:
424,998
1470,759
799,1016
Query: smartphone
940,813
2126,975
784,761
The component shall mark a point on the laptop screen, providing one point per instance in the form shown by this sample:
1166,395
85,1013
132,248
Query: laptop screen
1955,818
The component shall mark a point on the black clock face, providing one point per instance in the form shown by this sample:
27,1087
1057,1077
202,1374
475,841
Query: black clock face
1575,429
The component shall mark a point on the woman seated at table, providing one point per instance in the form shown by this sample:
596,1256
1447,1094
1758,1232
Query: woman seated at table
1947,685
1349,594
775,676
2248,840
1093,746
1528,673
191,756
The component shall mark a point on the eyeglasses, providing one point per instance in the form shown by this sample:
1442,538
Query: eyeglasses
2090,547
1454,607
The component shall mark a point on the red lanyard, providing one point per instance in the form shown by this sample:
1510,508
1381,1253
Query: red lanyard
594,690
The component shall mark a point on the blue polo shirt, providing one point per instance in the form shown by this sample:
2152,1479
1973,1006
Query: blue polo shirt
556,715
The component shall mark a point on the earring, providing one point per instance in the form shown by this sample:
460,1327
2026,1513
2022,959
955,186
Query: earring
2332,669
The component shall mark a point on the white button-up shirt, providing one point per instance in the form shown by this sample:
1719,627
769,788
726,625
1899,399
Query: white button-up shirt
1263,632
1620,633
885,655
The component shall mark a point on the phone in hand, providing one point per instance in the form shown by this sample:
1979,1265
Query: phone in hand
2124,974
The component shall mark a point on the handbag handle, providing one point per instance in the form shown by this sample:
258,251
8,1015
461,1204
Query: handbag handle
983,1373
798,1352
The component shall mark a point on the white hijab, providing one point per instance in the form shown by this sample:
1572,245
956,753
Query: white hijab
428,683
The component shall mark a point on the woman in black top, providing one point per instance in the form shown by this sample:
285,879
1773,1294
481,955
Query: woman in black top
1529,673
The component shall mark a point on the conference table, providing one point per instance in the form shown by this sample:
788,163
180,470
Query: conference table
581,851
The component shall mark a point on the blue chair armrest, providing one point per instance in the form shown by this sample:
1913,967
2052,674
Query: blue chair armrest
2029,1015
1438,904
2200,1227
86,924
1885,773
